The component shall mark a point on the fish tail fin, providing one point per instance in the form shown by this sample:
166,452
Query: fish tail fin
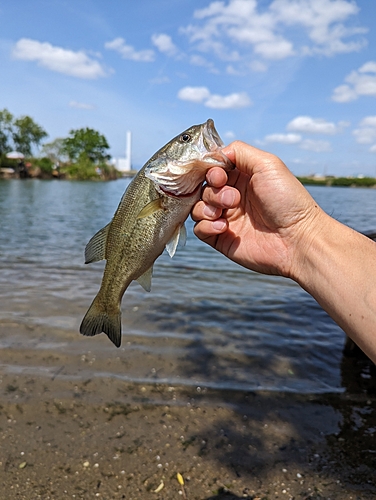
99,320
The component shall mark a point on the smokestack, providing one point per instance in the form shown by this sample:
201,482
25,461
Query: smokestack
128,151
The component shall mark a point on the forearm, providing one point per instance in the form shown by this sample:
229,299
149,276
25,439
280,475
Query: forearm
339,270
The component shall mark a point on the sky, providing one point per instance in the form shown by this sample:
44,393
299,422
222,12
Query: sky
293,77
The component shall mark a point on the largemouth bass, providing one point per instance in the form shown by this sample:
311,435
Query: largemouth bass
149,218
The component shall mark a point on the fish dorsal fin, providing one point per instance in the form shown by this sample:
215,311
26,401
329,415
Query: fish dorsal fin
145,279
180,234
96,248
150,208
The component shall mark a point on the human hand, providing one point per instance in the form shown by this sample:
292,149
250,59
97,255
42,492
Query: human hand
259,215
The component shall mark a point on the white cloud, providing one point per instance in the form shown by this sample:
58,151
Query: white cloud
366,133
344,93
194,94
284,138
231,101
160,80
54,58
361,82
198,60
215,101
368,121
369,67
164,44
129,52
80,105
229,135
372,149
323,21
237,29
258,66
309,125
297,139
315,146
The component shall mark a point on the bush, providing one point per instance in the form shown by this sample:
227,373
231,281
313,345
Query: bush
45,164
354,181
83,169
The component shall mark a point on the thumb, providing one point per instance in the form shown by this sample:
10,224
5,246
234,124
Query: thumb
247,158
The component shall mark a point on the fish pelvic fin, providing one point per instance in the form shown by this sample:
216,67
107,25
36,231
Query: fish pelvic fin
98,320
179,237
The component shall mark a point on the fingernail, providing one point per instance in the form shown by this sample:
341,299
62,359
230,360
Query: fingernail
210,211
228,198
219,225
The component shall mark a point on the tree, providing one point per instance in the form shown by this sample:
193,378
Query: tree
86,143
55,150
19,134
26,133
6,121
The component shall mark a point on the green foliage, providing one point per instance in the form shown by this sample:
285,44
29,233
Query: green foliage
26,133
54,151
6,120
19,134
87,142
354,181
82,169
339,181
44,163
312,181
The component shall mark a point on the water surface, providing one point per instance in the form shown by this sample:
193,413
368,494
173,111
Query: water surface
206,323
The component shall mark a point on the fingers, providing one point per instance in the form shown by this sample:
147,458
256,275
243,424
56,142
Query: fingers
214,201
216,197
224,197
207,230
216,177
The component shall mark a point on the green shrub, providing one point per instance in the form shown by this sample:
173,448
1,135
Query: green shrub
45,164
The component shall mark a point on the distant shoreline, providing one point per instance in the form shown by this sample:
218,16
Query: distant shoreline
364,182
10,173
369,182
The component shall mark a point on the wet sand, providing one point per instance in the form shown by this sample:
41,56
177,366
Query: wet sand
66,435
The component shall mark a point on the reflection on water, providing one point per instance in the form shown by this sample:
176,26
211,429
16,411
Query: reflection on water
207,322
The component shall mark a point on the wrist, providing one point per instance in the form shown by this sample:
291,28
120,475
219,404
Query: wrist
312,248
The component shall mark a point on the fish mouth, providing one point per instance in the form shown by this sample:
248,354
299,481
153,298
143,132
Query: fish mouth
184,178
210,136
180,194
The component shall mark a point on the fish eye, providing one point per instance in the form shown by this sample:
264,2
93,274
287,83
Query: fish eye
185,138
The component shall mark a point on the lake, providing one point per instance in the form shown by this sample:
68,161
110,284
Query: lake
207,322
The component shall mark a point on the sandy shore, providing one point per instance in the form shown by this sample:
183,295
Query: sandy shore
95,438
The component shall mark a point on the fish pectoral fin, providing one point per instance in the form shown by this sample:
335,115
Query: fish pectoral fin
96,248
145,279
179,236
151,208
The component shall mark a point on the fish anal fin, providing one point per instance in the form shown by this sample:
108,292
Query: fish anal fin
151,208
96,248
145,279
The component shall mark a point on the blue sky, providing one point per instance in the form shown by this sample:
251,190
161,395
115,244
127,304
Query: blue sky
294,77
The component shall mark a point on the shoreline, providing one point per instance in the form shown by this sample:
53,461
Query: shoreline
96,438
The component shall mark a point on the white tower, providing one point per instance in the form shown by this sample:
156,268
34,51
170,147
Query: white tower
128,152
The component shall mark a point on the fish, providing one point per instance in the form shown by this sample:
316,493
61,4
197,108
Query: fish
150,218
